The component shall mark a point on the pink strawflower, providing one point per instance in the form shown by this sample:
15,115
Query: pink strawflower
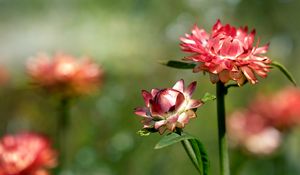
65,74
227,53
26,154
251,132
168,109
4,75
282,110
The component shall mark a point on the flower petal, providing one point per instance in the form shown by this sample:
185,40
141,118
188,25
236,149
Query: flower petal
179,85
190,89
147,96
194,104
141,111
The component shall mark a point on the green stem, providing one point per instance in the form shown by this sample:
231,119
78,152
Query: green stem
223,150
62,131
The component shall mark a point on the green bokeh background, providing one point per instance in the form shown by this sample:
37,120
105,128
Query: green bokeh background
128,38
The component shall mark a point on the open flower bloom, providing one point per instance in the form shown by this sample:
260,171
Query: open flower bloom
227,53
170,108
251,132
26,154
64,74
282,110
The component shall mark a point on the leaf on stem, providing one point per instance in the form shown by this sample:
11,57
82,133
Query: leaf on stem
193,147
178,64
283,69
208,97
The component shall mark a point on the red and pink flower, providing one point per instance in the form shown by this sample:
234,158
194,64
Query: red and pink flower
168,109
64,74
227,53
251,132
26,154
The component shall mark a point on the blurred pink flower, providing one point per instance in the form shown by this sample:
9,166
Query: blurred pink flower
282,110
249,131
169,108
4,75
26,154
227,53
64,74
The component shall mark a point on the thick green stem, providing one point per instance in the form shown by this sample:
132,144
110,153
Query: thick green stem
223,149
62,131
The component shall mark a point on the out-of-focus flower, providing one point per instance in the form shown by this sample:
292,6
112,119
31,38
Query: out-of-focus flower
282,110
250,131
26,154
64,74
170,108
4,76
227,53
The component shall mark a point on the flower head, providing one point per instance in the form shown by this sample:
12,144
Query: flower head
64,74
227,53
170,108
26,154
251,132
281,110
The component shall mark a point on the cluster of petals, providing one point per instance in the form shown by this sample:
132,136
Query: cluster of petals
227,53
65,74
168,109
259,128
26,154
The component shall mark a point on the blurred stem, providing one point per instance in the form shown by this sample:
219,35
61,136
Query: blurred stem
223,149
62,130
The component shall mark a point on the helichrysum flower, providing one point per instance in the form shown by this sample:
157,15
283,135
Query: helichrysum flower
64,74
227,53
26,154
168,109
251,132
281,110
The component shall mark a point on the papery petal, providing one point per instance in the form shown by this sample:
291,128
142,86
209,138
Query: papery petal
160,123
147,96
179,85
249,74
224,76
179,100
194,104
190,89
154,92
141,111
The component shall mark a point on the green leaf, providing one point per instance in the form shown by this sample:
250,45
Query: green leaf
283,69
179,64
208,97
143,132
193,147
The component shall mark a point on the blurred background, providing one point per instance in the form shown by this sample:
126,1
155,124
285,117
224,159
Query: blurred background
128,38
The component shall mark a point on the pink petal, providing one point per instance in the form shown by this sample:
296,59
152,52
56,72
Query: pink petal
161,130
141,111
179,85
147,96
160,123
261,50
154,92
194,104
235,48
224,76
191,88
249,74
179,101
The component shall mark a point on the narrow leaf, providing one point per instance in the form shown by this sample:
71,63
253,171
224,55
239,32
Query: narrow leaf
192,146
179,64
170,139
208,97
283,69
